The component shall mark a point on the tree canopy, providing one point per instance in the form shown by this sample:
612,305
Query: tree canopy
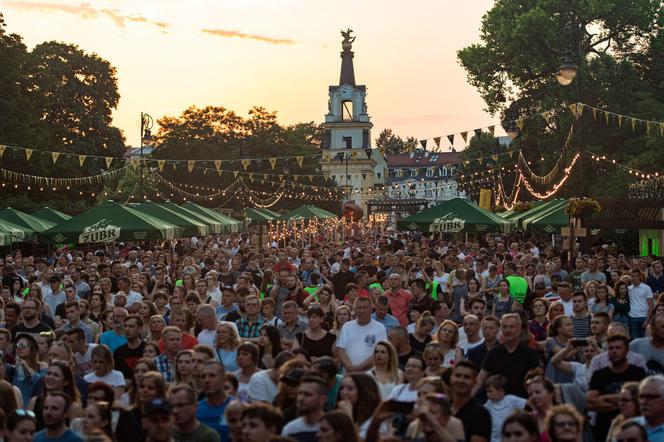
621,69
394,144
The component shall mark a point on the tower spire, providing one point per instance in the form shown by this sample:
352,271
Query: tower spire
347,71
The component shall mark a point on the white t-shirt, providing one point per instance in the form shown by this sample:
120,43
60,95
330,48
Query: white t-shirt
261,387
84,361
299,427
113,378
638,304
499,412
207,337
359,341
403,393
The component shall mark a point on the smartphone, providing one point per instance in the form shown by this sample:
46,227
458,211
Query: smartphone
579,342
401,407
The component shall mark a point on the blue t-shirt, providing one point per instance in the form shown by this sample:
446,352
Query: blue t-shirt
215,417
112,340
67,436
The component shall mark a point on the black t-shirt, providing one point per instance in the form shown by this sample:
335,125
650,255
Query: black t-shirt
606,381
22,329
513,366
476,420
125,358
417,345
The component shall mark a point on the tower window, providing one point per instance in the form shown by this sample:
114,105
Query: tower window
347,110
348,141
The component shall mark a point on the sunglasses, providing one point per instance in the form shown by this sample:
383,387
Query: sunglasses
25,413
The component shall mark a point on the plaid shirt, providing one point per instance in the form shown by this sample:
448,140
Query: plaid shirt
249,330
165,367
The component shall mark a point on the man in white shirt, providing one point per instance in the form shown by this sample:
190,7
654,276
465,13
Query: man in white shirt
311,398
359,337
640,305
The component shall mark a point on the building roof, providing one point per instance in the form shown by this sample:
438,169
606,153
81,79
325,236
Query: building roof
136,151
422,158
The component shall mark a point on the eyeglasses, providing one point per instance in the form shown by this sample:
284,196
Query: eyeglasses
565,424
22,345
25,413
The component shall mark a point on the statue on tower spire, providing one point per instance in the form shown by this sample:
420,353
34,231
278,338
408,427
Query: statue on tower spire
347,43
347,70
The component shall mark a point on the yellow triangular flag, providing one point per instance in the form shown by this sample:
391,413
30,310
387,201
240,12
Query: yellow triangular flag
633,123
251,177
81,160
190,165
510,153
55,156
661,130
547,116
620,118
520,123
572,107
648,127
161,164
217,164
606,117
109,161
235,172
134,162
281,177
594,113
437,141
295,177
300,160
28,154
494,157
492,130
2,149
580,109
245,164
310,178
220,172
273,162
382,151
464,135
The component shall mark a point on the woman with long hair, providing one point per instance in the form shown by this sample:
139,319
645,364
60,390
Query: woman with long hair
97,416
602,302
342,315
227,342
146,310
10,396
555,309
448,337
44,342
28,370
590,289
59,377
620,302
628,404
315,339
106,322
541,397
269,344
386,371
421,336
189,282
358,398
20,426
247,362
143,365
102,364
561,332
336,426
504,303
473,292
151,386
156,325
539,324
106,286
564,424
151,350
184,369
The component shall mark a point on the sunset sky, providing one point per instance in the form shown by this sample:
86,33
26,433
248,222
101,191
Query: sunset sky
280,54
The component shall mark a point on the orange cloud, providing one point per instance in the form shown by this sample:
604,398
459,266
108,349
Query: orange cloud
84,11
238,34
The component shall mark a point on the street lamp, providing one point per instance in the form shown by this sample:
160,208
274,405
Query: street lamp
567,71
146,139
512,130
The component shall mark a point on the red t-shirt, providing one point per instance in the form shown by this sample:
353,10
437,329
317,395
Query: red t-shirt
398,303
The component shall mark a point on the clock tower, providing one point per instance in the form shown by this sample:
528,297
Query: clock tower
347,153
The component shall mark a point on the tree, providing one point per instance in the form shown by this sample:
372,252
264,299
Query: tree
620,69
394,144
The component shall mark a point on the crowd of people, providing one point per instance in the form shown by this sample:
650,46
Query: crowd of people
383,336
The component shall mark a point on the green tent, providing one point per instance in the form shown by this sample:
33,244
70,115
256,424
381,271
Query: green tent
109,222
12,233
452,216
518,221
187,226
308,212
214,224
52,215
228,224
25,220
550,221
511,215
260,215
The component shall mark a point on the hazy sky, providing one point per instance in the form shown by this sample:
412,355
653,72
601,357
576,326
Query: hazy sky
280,54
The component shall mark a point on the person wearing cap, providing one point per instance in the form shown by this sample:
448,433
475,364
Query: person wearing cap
182,399
157,421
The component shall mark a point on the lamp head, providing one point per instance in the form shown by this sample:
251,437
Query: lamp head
567,71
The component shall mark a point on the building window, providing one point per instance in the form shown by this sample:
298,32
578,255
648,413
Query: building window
444,173
430,172
348,141
347,111
413,172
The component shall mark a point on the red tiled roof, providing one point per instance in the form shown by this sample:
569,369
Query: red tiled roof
419,160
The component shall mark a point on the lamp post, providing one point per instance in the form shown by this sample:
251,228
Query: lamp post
146,139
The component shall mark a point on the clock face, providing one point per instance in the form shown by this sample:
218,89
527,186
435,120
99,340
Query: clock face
346,91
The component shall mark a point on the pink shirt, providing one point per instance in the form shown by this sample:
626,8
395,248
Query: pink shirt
398,302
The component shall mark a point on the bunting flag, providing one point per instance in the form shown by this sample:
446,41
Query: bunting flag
300,160
251,177
382,150
109,161
579,109
161,164
510,153
620,118
134,162
594,113
520,123
478,132
451,138
54,156
217,164
28,154
245,164
424,144
273,162
2,149
379,174
353,155
572,108
606,117
661,130
311,178
633,124
81,160
281,177
648,127
437,141
464,135
190,165
492,130
494,157
235,172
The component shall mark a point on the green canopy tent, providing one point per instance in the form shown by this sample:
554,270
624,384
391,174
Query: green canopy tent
517,220
52,215
453,216
307,212
548,222
187,226
25,220
214,224
511,215
228,224
109,222
260,215
12,233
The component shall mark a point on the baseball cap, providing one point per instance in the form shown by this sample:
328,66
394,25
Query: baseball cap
156,405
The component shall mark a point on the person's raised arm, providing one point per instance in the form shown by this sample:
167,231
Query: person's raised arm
559,359
481,377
